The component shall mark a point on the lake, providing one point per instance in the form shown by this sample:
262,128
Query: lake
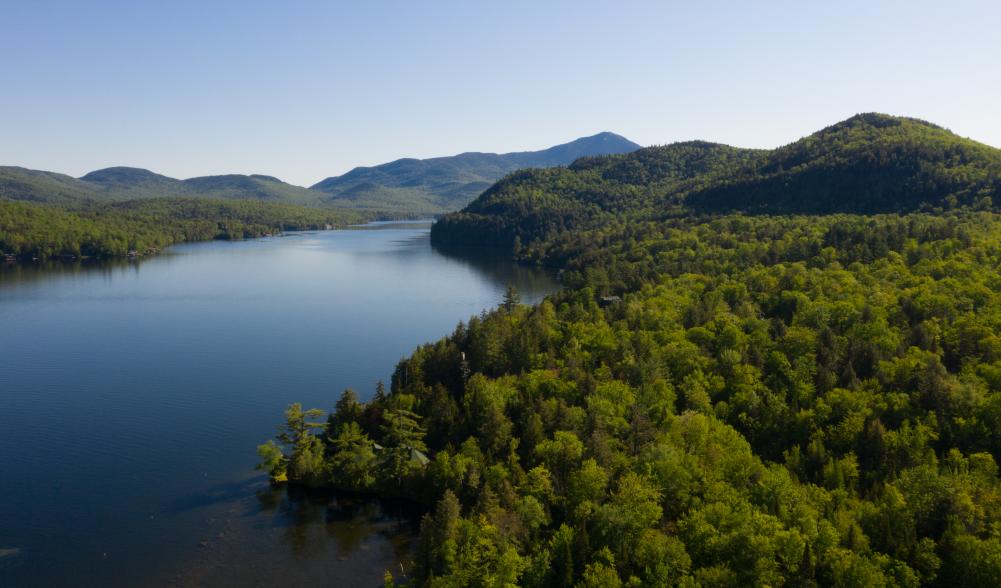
133,395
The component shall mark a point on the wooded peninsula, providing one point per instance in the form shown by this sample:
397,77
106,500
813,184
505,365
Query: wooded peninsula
766,368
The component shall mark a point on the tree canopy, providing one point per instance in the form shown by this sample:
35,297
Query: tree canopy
716,399
30,230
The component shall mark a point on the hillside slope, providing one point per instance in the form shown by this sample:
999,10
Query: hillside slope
18,183
118,184
870,163
125,183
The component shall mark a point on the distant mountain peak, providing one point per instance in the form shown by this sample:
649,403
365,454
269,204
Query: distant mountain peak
611,140
877,120
448,183
607,136
266,178
406,185
121,173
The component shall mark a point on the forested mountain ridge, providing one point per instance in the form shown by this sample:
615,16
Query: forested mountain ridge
448,183
403,187
869,163
18,183
127,179
118,184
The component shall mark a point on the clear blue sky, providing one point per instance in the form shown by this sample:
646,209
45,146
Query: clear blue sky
304,90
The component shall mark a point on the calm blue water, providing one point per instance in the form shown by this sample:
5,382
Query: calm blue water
132,397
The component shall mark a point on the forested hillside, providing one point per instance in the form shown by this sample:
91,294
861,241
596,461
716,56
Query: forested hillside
714,399
18,183
118,184
870,163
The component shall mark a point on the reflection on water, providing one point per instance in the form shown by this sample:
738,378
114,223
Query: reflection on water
533,283
42,270
349,541
133,393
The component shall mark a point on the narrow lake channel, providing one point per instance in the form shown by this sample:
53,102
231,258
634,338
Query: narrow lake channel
133,394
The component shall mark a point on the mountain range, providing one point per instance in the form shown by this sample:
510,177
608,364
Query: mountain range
405,186
449,183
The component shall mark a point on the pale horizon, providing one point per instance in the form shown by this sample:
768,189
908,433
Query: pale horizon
313,90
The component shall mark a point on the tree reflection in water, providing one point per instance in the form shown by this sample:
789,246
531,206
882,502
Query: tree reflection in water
312,520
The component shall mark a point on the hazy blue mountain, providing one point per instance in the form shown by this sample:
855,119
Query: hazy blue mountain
116,184
449,183
404,186
123,183
256,186
122,179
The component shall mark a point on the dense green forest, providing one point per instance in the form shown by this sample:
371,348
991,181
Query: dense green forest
29,230
714,399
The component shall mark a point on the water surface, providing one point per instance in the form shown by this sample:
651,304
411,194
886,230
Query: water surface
132,396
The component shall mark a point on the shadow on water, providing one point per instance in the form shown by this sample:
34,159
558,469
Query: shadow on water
306,534
347,520
241,328
311,519
494,264
30,271
219,494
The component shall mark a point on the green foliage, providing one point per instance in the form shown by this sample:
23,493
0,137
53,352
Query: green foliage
404,437
437,551
273,461
352,459
113,230
768,401
306,462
